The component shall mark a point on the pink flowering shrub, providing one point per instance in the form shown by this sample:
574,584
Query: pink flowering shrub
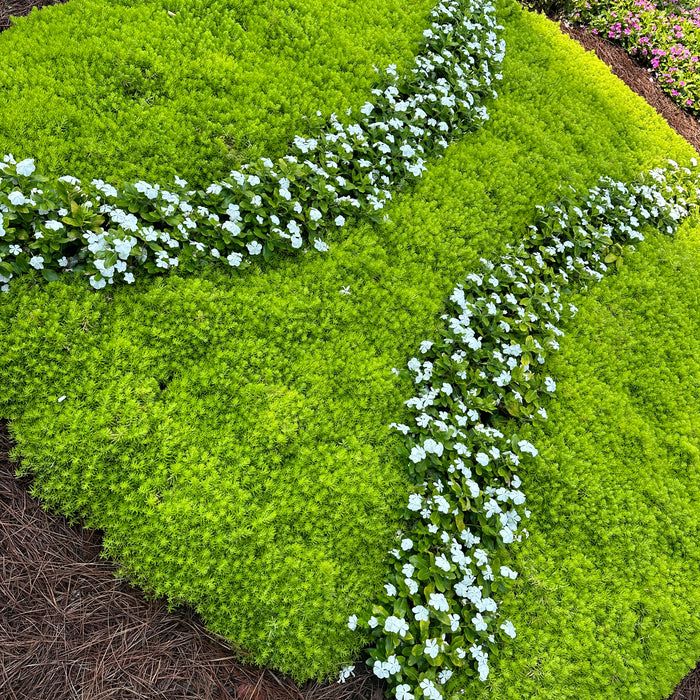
665,35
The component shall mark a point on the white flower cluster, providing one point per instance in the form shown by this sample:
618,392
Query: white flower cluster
346,170
476,384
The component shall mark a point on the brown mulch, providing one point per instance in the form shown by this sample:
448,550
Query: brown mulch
70,629
20,8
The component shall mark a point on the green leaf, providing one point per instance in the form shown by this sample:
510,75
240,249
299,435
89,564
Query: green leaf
49,275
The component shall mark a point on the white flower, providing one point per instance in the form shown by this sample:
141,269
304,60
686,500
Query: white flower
442,563
479,623
396,625
483,669
433,447
390,590
550,384
98,284
411,585
425,346
254,248
431,648
481,557
215,253
406,544
482,459
297,241
232,227
372,622
37,262
509,628
129,277
430,690
233,212
352,622
508,573
439,602
234,259
422,613
445,675
403,692
408,569
61,399
442,504
491,508
339,220
392,665
407,151
15,249
454,622
380,669
528,448
503,378
345,673
345,290
320,245
26,167
315,214
415,502
366,108
63,262
417,454
17,198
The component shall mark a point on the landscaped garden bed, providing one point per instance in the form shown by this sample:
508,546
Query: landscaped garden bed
228,429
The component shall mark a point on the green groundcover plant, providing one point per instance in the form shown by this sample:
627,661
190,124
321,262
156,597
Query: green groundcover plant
231,434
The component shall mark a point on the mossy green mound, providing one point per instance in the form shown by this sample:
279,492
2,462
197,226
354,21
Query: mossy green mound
230,434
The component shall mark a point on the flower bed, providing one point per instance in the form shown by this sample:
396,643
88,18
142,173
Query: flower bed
664,35
231,437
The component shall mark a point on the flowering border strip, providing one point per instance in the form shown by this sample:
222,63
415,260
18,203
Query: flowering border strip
477,381
108,233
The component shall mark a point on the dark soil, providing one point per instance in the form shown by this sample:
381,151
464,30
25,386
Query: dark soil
70,629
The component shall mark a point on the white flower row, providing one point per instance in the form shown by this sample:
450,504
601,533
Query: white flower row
109,233
477,382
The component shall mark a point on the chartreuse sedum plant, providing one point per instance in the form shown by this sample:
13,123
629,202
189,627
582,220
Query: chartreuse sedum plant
342,170
478,382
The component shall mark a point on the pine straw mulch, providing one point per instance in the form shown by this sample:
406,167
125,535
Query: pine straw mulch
70,629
